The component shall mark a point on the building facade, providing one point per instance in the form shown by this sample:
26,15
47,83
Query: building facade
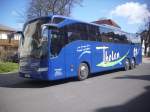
8,40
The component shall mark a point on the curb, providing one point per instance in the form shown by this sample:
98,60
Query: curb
146,60
8,72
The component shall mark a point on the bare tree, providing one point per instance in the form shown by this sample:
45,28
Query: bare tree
39,8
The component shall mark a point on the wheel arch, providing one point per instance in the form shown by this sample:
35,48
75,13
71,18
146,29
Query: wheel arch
134,59
87,65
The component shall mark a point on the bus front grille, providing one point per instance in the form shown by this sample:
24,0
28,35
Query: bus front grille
28,65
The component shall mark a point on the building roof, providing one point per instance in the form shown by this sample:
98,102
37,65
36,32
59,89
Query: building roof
6,28
107,21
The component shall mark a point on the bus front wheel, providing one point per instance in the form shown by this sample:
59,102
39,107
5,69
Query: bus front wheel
126,65
83,71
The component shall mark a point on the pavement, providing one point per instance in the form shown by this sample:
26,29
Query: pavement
146,60
113,91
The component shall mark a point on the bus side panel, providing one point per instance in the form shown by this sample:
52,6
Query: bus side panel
71,58
108,56
76,53
97,56
86,54
137,53
57,66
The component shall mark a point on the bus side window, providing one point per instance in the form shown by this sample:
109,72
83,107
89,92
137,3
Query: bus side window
58,41
85,33
116,38
84,36
124,39
91,32
82,29
57,20
106,34
72,36
120,37
98,36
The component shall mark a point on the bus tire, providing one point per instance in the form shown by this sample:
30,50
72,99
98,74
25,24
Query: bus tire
133,63
126,64
83,71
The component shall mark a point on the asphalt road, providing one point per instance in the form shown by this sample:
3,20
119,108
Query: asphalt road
114,91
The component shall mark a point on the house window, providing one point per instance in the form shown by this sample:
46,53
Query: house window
3,35
0,36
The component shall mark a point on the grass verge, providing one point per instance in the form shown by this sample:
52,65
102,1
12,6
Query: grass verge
8,67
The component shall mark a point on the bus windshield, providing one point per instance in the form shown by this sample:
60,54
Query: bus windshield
32,44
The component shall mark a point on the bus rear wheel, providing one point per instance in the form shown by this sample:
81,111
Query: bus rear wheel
133,63
126,65
83,71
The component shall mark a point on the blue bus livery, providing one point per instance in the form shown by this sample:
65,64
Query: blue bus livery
58,47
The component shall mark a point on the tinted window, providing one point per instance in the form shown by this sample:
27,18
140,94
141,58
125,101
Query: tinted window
93,33
106,34
82,31
134,38
120,37
72,36
58,41
57,20
113,35
77,31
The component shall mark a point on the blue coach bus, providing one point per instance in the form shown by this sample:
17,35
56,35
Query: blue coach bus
58,47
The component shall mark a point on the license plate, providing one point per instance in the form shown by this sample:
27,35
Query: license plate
27,75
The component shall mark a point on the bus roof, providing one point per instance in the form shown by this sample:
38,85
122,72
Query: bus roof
102,25
69,18
38,18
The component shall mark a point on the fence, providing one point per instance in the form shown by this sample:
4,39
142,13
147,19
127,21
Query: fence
7,48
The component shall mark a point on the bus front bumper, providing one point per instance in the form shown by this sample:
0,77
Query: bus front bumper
41,73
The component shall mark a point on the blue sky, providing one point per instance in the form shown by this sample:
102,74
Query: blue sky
121,11
8,12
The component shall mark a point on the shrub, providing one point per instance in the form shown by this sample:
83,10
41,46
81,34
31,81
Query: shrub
5,55
8,67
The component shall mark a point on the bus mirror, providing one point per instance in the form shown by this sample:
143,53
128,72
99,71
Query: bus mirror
19,34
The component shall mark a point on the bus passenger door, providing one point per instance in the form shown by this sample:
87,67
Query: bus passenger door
57,56
57,67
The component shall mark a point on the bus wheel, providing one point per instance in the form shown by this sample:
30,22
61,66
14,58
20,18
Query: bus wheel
133,63
126,65
83,71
